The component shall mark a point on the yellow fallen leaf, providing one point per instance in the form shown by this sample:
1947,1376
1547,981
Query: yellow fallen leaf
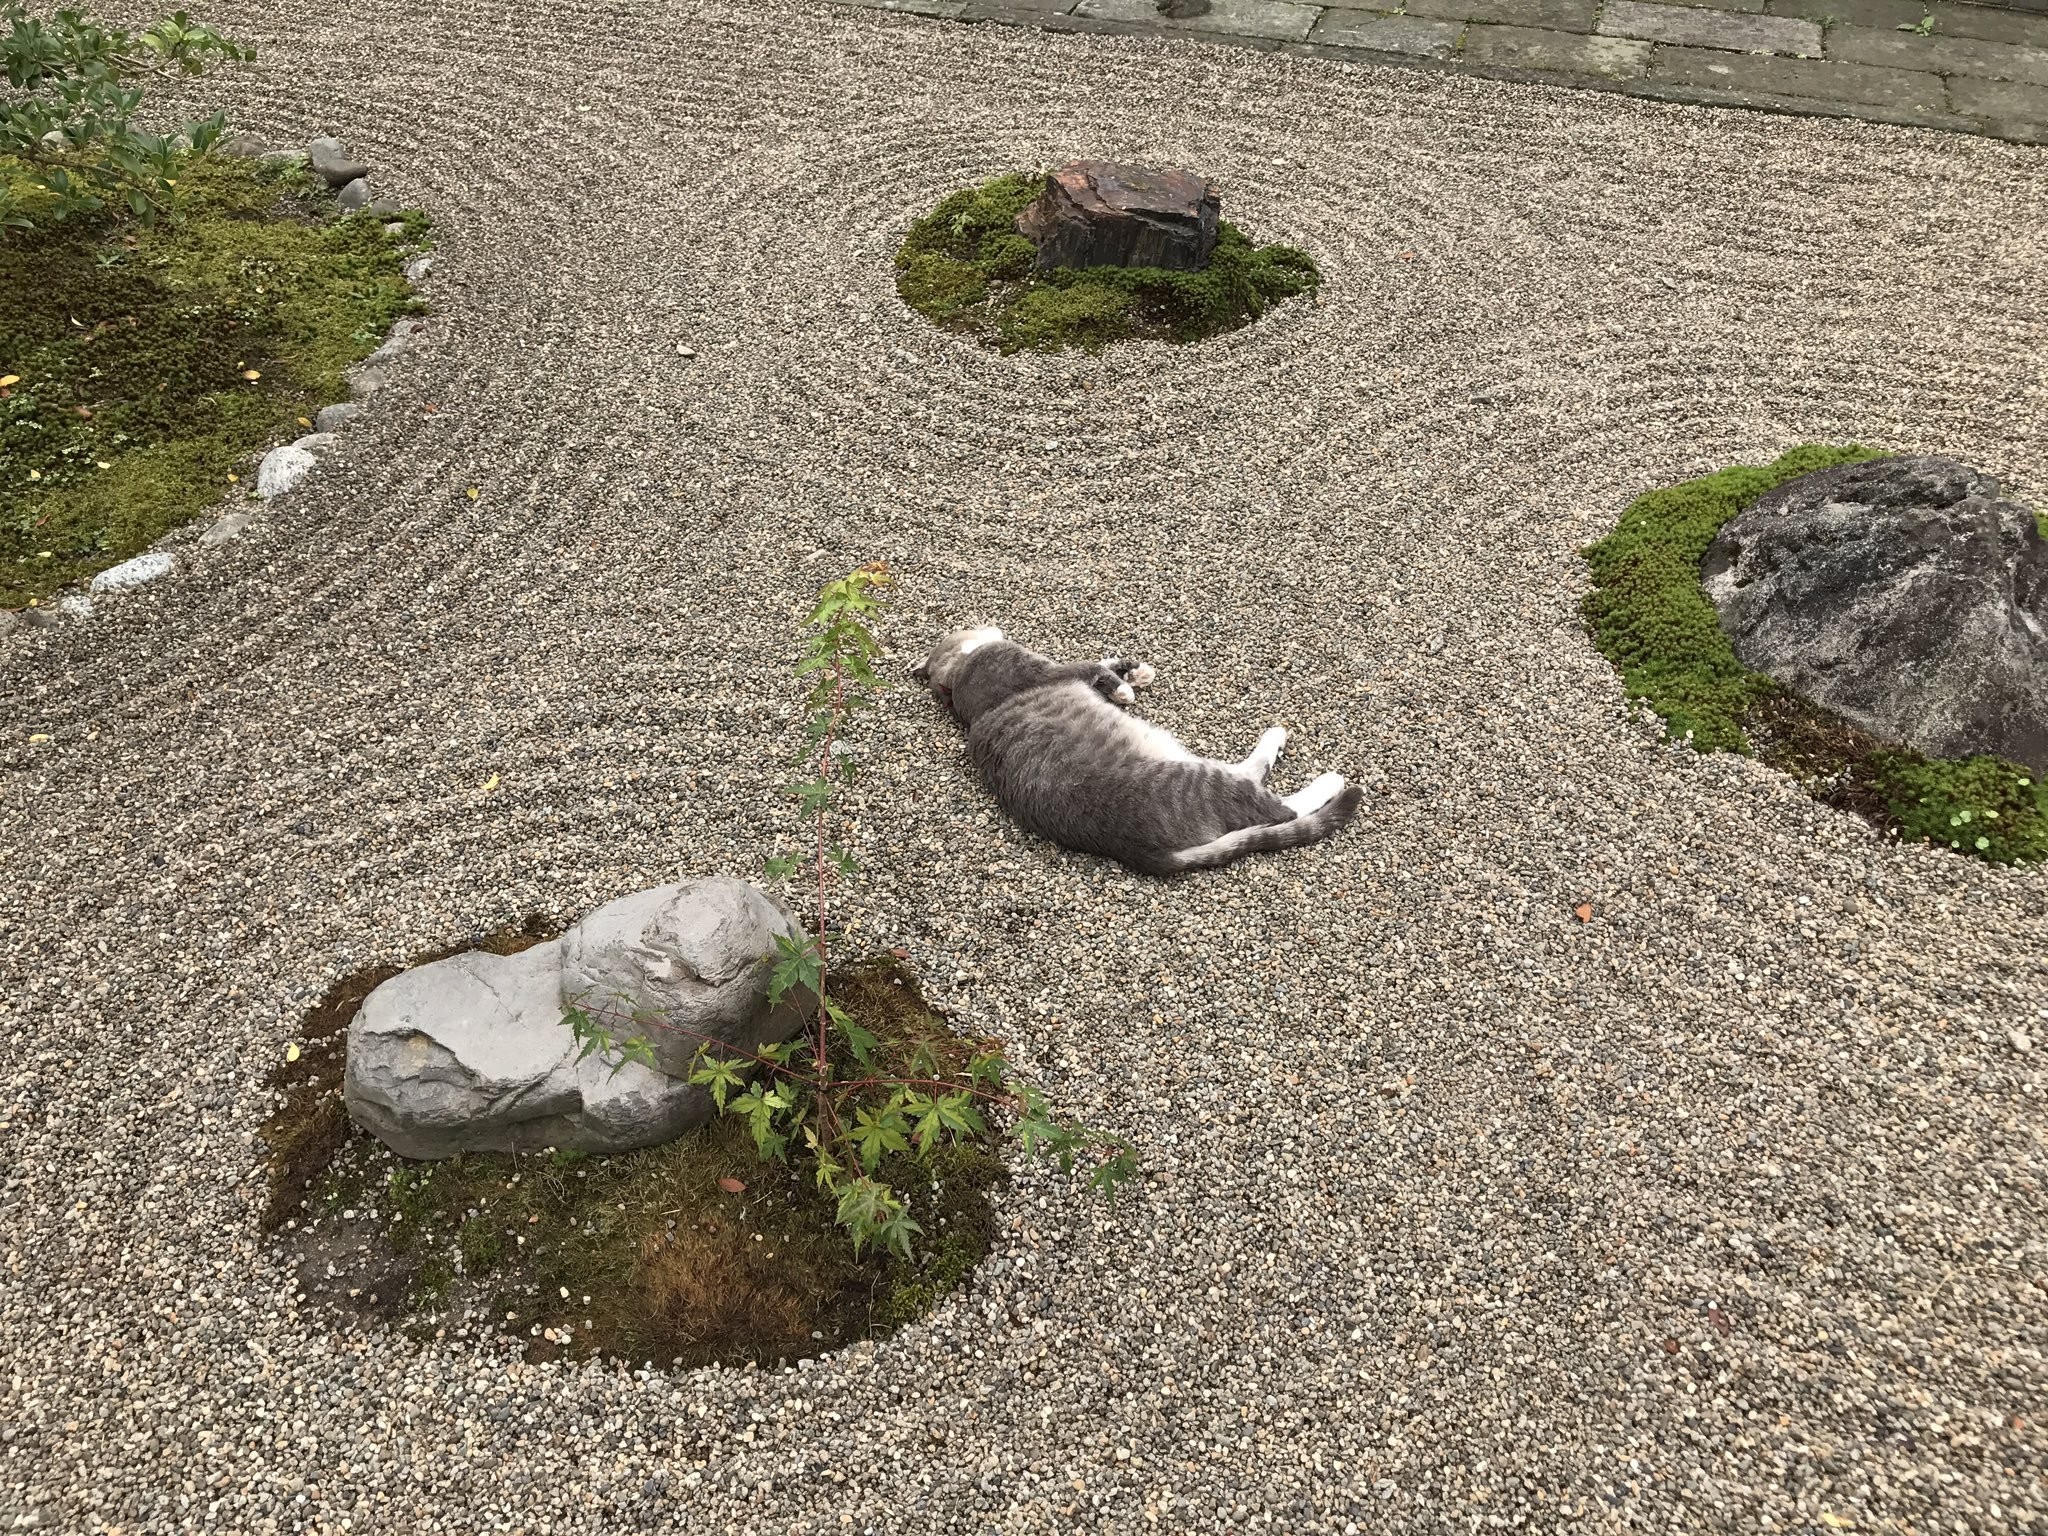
490,784
473,493
291,1052
305,421
9,380
252,373
234,479
36,738
35,474
1837,1522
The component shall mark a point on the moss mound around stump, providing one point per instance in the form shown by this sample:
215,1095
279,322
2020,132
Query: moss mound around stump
143,367
1651,617
692,1253
964,267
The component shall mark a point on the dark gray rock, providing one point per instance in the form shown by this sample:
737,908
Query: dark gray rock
1094,213
353,197
332,418
331,163
1904,595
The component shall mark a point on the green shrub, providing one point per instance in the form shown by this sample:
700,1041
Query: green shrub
1652,619
965,268
68,109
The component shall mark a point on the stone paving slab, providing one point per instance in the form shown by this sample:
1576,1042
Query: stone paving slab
1967,68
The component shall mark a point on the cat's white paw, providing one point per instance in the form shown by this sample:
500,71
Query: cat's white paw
1123,694
1315,794
1142,675
1271,744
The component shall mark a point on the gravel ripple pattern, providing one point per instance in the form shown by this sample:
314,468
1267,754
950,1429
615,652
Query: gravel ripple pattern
1594,1137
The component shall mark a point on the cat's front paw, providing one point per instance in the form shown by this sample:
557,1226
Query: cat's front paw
1107,681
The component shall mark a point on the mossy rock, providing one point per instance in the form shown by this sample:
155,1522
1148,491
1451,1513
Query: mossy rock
1651,617
692,1253
155,362
964,267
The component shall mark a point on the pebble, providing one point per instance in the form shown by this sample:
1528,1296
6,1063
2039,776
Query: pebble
226,529
333,165
282,468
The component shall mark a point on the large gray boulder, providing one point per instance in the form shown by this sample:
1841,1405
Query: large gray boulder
1904,595
470,1054
680,966
473,1053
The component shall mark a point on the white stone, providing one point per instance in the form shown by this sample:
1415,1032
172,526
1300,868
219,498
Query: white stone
133,573
283,468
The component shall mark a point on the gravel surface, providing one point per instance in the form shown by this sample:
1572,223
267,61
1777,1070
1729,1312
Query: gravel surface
1721,1209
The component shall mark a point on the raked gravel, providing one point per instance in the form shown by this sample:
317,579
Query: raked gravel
1722,1210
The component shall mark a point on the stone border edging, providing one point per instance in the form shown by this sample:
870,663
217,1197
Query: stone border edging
1807,58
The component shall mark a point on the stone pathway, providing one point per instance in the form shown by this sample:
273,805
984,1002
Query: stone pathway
1967,68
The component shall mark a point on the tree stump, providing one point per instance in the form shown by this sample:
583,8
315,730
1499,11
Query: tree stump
1096,214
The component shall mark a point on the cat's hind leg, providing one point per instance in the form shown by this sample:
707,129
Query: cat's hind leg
1264,755
1137,673
1315,794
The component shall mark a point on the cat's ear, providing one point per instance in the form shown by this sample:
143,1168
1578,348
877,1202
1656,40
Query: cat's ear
921,669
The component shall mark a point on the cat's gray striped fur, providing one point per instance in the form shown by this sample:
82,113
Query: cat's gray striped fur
1067,763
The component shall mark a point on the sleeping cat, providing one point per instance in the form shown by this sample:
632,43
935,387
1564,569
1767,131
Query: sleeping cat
1067,763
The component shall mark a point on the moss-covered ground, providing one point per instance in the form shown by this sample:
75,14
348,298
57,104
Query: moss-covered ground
1651,617
692,1253
964,267
143,367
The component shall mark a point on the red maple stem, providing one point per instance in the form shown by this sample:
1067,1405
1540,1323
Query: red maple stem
825,772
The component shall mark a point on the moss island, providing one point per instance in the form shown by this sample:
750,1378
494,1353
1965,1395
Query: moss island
1651,617
965,268
692,1253
143,365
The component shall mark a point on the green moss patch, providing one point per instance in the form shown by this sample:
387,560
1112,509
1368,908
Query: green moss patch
153,363
692,1253
1653,620
965,268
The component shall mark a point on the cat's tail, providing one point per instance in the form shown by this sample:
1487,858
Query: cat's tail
1328,819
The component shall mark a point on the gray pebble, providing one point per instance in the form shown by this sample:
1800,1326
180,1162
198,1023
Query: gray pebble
225,529
332,164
